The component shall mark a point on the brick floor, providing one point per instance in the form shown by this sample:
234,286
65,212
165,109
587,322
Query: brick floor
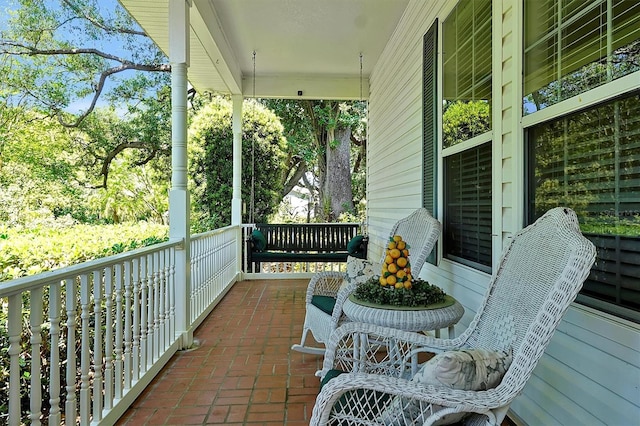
243,371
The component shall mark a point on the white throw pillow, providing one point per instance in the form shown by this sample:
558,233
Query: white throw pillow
466,369
360,270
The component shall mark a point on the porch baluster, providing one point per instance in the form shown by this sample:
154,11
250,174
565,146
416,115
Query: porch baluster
54,353
150,312
156,306
118,362
70,406
161,308
14,329
35,326
85,391
128,332
97,345
108,339
136,320
143,313
172,294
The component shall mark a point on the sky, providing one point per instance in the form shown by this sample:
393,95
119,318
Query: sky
111,46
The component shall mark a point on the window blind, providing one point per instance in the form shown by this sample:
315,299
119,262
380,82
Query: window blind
590,161
573,45
468,206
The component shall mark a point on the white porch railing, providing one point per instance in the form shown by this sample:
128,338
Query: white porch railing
107,327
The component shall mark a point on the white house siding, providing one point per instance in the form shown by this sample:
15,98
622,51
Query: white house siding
590,373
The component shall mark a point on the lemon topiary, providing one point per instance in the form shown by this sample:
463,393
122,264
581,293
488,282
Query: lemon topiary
396,269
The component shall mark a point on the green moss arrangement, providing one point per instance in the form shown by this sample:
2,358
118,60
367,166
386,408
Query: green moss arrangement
421,293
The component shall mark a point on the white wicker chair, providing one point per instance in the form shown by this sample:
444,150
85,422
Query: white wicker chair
540,273
420,230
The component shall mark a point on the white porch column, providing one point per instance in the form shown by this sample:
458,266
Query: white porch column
179,205
236,203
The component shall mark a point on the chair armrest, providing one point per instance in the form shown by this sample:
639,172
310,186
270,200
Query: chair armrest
324,283
367,348
370,387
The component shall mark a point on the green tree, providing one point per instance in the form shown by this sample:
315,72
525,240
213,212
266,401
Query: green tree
326,140
211,166
62,58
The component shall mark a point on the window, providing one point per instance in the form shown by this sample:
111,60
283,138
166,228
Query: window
572,46
466,133
467,225
590,161
466,72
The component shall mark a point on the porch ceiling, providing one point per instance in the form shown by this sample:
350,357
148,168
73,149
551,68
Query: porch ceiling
311,46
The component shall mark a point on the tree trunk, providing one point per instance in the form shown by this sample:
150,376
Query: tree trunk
338,194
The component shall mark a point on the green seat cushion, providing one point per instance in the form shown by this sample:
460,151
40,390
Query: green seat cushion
330,375
259,240
324,303
355,247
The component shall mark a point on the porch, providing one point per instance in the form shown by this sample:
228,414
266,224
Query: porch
241,370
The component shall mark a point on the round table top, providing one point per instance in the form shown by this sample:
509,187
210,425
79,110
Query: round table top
408,320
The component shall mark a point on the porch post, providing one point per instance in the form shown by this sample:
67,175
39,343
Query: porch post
179,205
236,201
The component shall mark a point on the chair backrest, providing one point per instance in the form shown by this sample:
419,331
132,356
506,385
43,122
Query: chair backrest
421,231
539,275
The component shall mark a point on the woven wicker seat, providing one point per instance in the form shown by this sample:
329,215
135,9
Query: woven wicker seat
420,230
539,275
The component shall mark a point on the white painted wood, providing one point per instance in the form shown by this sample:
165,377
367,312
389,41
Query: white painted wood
55,299
35,325
591,368
93,293
97,345
14,328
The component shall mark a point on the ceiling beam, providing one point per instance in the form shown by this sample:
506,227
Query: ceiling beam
309,87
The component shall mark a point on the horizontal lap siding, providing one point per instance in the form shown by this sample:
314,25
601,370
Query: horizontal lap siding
590,373
394,147
585,377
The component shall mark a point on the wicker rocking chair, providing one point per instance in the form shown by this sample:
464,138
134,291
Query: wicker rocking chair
540,273
420,230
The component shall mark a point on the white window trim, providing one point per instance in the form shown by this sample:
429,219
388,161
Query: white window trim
468,144
600,94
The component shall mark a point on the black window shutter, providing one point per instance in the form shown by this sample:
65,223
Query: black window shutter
429,122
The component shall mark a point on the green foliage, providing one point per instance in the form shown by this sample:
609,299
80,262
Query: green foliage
421,293
611,225
57,53
211,166
56,245
464,120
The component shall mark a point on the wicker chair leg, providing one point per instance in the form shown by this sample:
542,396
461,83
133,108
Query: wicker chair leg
307,349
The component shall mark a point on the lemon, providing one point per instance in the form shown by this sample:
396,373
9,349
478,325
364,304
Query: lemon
401,262
391,279
395,253
397,238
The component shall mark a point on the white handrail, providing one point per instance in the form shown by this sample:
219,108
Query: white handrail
121,311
